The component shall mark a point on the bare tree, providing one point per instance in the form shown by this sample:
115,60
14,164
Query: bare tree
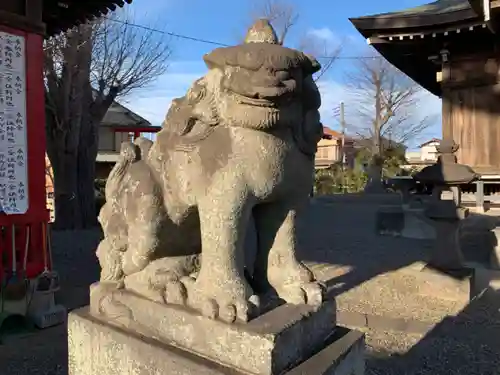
86,69
321,50
283,15
386,102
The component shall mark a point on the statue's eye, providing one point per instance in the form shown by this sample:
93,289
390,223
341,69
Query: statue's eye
282,75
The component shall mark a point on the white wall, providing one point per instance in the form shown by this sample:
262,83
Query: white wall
429,152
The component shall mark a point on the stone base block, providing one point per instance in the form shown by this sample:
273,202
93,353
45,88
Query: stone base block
98,347
389,220
416,225
267,344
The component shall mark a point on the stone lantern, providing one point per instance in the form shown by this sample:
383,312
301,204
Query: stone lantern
446,174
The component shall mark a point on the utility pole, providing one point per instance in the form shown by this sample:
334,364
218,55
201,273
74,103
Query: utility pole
342,146
342,125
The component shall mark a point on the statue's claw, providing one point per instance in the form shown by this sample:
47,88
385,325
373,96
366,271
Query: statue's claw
310,293
224,305
296,284
232,312
175,293
314,292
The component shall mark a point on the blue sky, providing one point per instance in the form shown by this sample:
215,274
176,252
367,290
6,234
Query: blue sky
226,21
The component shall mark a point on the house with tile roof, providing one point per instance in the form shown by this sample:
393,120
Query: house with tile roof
118,125
426,154
330,149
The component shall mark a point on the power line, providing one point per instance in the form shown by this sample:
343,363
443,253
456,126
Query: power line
206,41
168,33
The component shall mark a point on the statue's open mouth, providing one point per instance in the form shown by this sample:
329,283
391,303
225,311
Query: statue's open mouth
259,101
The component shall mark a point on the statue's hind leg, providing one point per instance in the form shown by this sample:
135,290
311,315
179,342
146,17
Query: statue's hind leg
169,252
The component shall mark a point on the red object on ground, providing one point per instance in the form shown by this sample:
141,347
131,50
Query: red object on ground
37,214
137,130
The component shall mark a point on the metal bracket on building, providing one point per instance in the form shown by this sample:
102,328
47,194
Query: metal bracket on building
487,10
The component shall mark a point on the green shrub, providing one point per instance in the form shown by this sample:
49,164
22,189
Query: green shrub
335,180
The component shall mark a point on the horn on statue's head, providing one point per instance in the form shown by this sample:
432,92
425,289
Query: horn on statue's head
261,32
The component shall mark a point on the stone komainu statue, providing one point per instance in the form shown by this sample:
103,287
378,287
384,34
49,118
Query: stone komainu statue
239,146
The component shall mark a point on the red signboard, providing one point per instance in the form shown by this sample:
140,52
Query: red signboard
22,176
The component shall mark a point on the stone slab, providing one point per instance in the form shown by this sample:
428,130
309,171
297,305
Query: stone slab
416,225
267,344
389,220
98,347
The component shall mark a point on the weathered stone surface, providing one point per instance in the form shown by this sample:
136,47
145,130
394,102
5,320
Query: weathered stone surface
97,347
267,344
238,147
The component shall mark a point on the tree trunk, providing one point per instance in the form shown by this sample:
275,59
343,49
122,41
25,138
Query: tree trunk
64,160
87,154
374,184
67,207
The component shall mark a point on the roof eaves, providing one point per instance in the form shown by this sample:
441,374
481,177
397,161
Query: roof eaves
413,18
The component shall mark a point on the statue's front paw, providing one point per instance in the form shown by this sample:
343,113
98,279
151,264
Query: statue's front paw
234,302
310,293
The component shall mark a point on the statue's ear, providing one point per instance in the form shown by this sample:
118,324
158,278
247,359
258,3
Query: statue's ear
312,65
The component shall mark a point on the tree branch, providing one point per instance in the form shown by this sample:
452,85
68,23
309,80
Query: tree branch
376,81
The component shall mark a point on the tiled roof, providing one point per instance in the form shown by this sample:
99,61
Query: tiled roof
430,141
330,132
119,115
60,15
431,9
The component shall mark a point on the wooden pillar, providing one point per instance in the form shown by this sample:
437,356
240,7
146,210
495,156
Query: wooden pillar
480,196
471,110
447,126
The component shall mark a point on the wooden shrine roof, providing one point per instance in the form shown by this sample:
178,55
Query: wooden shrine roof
433,14
60,15
410,39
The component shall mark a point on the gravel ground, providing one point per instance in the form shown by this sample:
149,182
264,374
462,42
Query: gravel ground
45,352
367,273
464,345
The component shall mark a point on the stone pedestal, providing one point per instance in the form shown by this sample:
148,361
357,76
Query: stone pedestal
389,220
416,224
447,253
138,336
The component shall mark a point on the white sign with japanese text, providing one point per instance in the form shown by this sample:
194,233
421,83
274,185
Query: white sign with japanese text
13,134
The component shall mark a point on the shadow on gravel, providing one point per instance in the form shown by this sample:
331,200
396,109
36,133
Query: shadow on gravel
343,235
462,345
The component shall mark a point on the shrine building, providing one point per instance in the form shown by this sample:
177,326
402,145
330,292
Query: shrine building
451,48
